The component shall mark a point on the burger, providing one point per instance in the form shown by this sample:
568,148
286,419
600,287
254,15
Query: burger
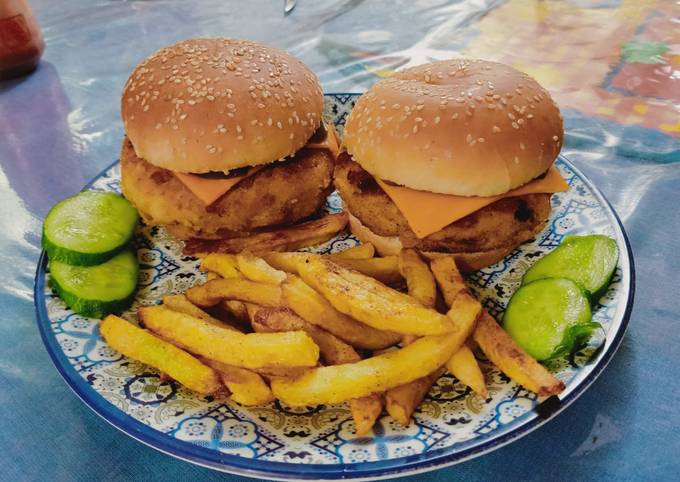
452,157
224,138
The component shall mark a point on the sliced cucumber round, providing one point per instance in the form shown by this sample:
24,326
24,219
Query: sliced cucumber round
88,228
587,260
95,291
549,317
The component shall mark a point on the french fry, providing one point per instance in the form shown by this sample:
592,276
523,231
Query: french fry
252,350
503,352
234,309
246,387
361,251
288,239
333,350
181,304
365,411
402,401
222,264
463,365
287,262
385,270
419,278
215,291
371,302
141,345
312,307
338,383
289,373
257,269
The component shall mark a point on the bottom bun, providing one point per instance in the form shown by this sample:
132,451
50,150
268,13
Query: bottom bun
466,262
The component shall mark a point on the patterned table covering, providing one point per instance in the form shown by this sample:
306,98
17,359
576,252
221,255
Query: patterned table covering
612,65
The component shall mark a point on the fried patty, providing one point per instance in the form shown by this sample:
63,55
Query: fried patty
507,222
282,193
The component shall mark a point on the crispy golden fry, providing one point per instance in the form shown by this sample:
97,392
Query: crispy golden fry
385,270
365,411
312,307
141,345
361,251
287,262
463,365
333,350
246,387
402,401
181,304
234,309
371,302
503,352
335,384
257,269
418,276
222,264
215,291
253,350
211,276
282,372
288,239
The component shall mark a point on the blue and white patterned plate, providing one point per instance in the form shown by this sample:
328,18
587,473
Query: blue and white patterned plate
279,442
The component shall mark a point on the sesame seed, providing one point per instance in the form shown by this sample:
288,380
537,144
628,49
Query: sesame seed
555,138
279,125
495,129
437,119
515,125
521,145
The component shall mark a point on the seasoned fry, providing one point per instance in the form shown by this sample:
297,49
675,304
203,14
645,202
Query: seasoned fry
222,264
371,302
335,384
502,350
419,278
288,239
235,309
333,350
181,304
463,365
253,350
312,307
141,345
385,270
257,269
402,401
246,387
212,292
361,251
365,411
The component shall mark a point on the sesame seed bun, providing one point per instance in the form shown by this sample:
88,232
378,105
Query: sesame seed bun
216,104
463,127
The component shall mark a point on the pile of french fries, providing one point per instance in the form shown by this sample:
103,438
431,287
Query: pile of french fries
311,329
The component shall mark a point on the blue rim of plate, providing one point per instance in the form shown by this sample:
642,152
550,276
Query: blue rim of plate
409,465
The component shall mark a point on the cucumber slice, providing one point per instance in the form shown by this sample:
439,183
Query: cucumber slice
549,317
88,228
95,291
587,260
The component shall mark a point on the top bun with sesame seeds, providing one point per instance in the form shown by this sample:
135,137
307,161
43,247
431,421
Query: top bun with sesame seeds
463,127
218,104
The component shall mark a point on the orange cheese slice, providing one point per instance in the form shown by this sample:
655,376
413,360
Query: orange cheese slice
428,212
210,190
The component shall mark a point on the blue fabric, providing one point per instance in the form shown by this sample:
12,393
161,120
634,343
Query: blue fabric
60,126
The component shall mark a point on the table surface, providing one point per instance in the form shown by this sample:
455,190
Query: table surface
612,65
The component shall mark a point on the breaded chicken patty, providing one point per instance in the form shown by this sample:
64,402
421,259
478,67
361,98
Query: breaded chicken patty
283,193
507,222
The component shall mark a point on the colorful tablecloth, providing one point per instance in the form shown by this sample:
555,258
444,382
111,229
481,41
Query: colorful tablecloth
612,65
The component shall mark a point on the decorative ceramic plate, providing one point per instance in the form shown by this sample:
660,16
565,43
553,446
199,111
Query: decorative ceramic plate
279,442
